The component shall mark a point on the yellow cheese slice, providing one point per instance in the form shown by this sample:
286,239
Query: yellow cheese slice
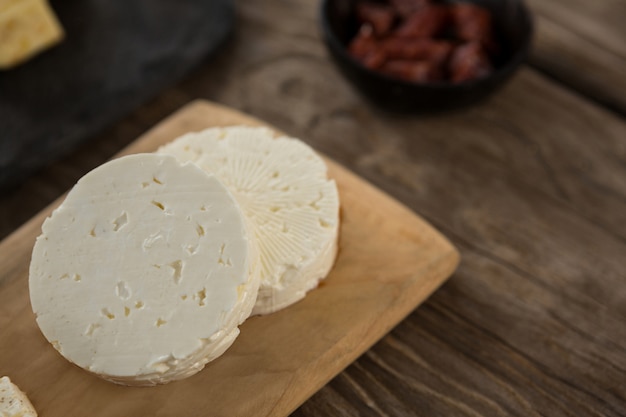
26,28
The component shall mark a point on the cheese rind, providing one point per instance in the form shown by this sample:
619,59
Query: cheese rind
26,28
287,198
13,402
144,272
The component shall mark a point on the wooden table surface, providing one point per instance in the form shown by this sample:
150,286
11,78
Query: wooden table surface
530,186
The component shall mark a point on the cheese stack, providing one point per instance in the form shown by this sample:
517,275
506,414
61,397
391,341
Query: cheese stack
26,28
144,272
150,264
13,402
292,207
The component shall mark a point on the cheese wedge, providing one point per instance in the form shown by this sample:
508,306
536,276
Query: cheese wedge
291,205
13,402
26,28
144,272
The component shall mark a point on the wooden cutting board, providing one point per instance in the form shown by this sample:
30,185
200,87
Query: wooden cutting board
390,260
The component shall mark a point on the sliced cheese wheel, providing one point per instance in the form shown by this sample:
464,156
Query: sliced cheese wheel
13,402
144,272
283,189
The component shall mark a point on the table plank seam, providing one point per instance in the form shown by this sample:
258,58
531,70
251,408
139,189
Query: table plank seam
539,366
581,92
461,243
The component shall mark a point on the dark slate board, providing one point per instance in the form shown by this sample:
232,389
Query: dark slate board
116,55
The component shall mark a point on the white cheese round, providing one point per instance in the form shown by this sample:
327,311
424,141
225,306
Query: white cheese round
284,192
144,272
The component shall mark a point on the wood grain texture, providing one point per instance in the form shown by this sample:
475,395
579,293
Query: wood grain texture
389,261
530,186
581,44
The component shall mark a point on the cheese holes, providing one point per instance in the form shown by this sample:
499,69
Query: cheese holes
161,207
158,204
177,268
120,222
221,261
122,290
106,313
324,224
151,240
201,297
155,180
224,262
75,277
91,329
315,203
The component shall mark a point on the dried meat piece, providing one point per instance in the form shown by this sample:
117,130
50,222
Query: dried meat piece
375,59
427,22
423,48
366,49
412,71
417,49
379,16
363,43
408,7
472,23
469,62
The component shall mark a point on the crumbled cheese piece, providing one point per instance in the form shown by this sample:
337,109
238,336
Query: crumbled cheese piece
13,402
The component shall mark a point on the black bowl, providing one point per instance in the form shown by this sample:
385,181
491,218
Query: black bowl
513,26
